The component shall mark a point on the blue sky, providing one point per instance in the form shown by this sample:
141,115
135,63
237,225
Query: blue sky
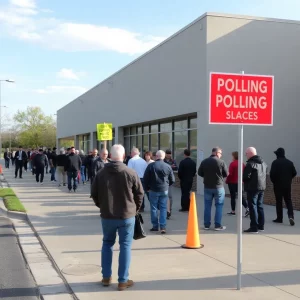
57,49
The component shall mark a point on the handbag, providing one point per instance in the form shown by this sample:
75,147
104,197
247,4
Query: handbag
139,232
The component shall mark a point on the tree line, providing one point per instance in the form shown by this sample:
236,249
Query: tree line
31,128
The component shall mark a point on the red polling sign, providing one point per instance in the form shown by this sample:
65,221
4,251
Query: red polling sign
241,99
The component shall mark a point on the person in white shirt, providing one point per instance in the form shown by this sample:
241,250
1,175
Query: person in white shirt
139,165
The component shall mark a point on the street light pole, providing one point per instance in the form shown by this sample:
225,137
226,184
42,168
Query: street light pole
10,81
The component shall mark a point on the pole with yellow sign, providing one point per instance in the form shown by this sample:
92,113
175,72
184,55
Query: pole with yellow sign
104,133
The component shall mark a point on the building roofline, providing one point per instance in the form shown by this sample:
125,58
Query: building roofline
246,17
140,57
207,14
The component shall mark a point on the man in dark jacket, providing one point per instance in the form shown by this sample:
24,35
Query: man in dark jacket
7,157
118,192
89,164
39,163
157,179
213,170
282,173
53,164
254,178
72,167
20,158
186,173
100,162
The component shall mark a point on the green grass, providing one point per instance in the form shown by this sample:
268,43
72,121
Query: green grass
11,201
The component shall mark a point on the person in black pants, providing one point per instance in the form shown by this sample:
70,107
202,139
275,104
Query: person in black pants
232,181
186,173
20,158
72,167
39,163
281,174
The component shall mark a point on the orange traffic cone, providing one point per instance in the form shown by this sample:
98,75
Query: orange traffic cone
193,236
1,170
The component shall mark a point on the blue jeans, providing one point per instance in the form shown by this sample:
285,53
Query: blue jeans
158,199
52,171
219,196
125,229
82,171
72,176
256,207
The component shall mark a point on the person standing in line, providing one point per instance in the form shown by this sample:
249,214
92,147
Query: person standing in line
281,174
254,178
139,165
61,161
33,154
7,157
13,158
100,162
72,167
48,154
171,162
118,192
148,157
20,158
39,163
90,163
213,170
53,164
157,179
232,181
29,152
82,170
186,173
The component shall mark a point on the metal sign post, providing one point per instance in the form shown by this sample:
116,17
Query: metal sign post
240,208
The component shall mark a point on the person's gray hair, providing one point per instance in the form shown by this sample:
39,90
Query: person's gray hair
76,151
135,150
81,152
62,151
160,154
104,150
216,150
117,152
251,150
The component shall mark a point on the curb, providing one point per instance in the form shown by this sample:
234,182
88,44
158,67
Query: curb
12,214
54,284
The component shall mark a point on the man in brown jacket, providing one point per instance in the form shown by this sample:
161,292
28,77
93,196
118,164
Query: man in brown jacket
118,192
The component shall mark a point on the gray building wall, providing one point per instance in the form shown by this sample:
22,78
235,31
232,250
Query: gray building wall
173,79
257,47
163,83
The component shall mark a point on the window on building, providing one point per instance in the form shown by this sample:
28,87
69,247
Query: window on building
166,127
154,128
193,144
180,143
146,129
154,142
126,131
139,142
133,130
145,143
166,141
193,123
132,142
180,125
139,130
127,145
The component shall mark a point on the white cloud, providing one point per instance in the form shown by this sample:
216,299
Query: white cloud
23,21
70,74
24,3
74,89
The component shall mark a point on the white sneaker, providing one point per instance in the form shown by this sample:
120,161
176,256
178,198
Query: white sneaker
220,228
42,183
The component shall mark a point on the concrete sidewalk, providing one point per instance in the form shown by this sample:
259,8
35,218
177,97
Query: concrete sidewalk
69,226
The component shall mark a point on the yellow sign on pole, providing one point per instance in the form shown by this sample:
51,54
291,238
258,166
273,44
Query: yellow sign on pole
104,132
